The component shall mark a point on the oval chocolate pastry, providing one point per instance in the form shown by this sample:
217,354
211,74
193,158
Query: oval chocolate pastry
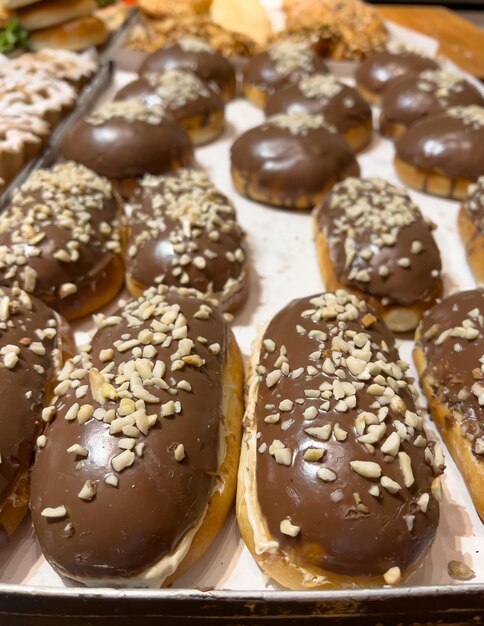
183,232
282,63
191,101
291,161
138,470
449,356
470,222
30,358
128,139
59,240
337,481
372,239
380,69
199,57
444,153
412,98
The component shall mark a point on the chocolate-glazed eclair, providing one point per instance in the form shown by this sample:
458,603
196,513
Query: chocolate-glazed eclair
291,161
470,222
373,240
380,69
193,103
128,139
183,232
444,153
60,240
337,482
280,64
342,106
30,358
199,57
412,98
138,470
449,356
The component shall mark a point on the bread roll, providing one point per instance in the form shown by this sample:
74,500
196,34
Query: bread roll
53,12
17,4
337,483
74,35
470,222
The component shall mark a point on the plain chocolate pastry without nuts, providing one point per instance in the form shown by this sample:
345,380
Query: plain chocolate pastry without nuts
412,98
338,485
138,471
30,357
183,232
443,154
128,139
342,106
59,240
372,239
193,103
470,222
196,56
291,161
449,356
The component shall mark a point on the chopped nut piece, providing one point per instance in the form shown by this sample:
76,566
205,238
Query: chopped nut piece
326,474
314,454
180,452
393,576
88,491
57,512
287,528
460,571
367,469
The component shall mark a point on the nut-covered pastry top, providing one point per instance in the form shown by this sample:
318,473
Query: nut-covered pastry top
450,142
59,232
451,335
132,110
138,427
474,204
183,231
344,468
379,241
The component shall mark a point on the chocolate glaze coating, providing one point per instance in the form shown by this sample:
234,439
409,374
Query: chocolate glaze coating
343,527
126,528
371,227
417,96
378,70
451,143
458,373
60,232
343,106
474,204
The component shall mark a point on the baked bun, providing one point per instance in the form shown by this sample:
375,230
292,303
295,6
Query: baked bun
196,56
412,98
342,106
59,240
379,69
281,63
74,35
337,482
53,12
156,431
193,103
31,356
183,232
470,222
291,161
443,154
17,4
372,239
166,8
128,139
448,356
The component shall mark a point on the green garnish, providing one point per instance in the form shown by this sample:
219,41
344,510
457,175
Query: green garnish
12,35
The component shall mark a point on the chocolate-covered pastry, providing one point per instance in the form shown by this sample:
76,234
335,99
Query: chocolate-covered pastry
30,358
471,228
291,161
378,70
449,356
128,139
138,469
342,106
183,232
193,103
280,64
443,154
412,98
337,480
196,56
371,238
59,240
